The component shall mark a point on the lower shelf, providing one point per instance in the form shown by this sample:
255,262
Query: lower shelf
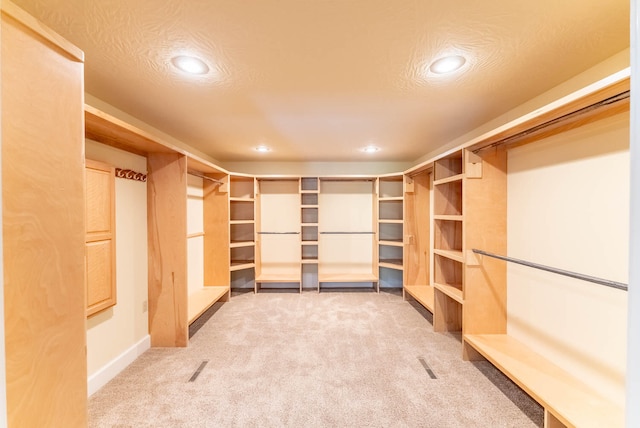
347,277
203,299
279,277
422,293
568,400
454,292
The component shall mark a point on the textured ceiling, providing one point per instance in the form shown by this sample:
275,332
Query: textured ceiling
316,80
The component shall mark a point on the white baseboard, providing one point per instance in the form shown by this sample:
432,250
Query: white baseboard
115,366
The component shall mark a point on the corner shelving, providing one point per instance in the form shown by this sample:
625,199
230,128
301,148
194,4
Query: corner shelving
391,230
242,254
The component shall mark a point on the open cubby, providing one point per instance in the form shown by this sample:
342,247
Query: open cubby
390,187
243,232
310,233
448,272
309,215
390,254
241,210
309,199
447,198
243,279
241,187
390,210
448,235
448,166
242,255
309,184
310,252
390,232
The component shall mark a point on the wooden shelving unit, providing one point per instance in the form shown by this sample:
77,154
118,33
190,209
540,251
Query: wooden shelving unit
242,231
390,225
448,260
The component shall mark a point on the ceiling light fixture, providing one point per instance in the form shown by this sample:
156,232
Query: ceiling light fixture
447,64
190,64
371,149
262,149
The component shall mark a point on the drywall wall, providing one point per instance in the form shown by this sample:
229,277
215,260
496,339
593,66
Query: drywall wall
633,321
568,207
112,332
195,226
607,67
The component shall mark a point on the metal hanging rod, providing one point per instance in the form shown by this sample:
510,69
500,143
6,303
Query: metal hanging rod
606,282
278,233
347,233
204,177
608,101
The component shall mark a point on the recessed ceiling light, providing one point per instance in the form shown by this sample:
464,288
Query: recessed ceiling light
262,149
371,149
190,64
447,64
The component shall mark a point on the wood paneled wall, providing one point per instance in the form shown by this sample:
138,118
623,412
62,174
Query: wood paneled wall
43,225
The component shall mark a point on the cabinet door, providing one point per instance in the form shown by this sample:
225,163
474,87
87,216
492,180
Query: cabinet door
100,236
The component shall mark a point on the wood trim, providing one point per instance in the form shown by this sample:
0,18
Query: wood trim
21,16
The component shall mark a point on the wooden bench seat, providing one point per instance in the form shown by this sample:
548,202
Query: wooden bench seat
566,400
204,298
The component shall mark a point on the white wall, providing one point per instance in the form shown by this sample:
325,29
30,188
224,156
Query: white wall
568,207
121,332
195,224
633,337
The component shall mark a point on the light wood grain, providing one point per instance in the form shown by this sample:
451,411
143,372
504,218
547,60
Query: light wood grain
277,277
167,228
216,233
204,298
417,227
485,226
347,277
100,217
447,198
43,225
423,294
447,235
447,312
570,401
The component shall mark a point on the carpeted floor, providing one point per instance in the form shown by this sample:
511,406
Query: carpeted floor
334,359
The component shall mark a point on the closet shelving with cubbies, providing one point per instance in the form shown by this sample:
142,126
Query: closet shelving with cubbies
448,223
309,190
391,230
242,231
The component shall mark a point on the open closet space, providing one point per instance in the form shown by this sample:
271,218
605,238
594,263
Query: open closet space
319,214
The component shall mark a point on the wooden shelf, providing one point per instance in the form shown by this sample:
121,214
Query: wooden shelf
347,277
450,254
391,198
451,179
454,292
309,224
568,400
203,299
279,277
234,199
241,266
385,221
309,261
309,191
241,221
447,217
309,206
423,294
242,244
390,265
392,243
309,242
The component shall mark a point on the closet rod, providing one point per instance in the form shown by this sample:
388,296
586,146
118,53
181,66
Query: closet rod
347,233
278,233
606,102
204,177
606,282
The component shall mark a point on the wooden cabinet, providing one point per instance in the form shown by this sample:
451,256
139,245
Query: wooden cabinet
100,217
43,224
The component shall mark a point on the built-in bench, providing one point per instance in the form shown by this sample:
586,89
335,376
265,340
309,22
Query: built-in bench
201,300
567,401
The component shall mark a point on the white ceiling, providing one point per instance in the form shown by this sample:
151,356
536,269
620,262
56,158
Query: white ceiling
316,80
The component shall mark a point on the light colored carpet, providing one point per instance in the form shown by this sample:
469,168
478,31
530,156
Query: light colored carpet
334,359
